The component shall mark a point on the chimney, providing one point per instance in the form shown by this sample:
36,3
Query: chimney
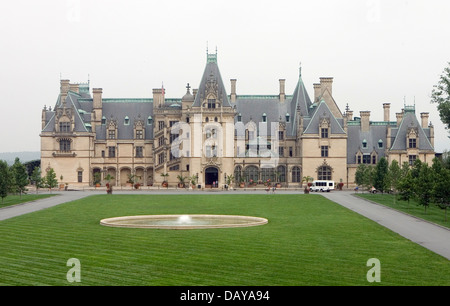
97,105
349,115
327,83
64,89
399,118
282,90
233,90
97,97
424,117
386,107
317,92
365,121
74,88
194,92
157,97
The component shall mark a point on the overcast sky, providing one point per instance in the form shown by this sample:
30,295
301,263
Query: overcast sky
378,51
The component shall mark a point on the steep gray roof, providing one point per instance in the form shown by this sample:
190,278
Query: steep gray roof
372,138
410,120
119,109
323,111
211,74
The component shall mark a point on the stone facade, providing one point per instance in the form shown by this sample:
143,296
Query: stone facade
210,135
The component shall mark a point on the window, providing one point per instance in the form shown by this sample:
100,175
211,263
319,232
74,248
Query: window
239,118
324,151
64,145
380,144
264,117
359,159
126,121
364,144
103,153
412,143
412,159
374,159
172,123
296,175
211,103
64,127
324,133
139,151
111,134
149,120
324,173
282,173
281,151
291,152
288,118
161,125
366,159
161,141
103,120
161,158
80,176
111,151
139,134
280,135
251,173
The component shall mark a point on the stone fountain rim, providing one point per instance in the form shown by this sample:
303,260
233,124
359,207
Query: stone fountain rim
256,221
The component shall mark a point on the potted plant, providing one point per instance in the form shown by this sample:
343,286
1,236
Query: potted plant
137,185
181,181
97,179
241,182
61,186
193,180
165,183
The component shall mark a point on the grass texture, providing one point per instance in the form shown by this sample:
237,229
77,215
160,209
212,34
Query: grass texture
308,241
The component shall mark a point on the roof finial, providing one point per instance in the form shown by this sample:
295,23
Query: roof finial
300,69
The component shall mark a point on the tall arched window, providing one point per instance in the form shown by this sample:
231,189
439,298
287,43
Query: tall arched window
282,173
237,174
324,173
251,174
296,175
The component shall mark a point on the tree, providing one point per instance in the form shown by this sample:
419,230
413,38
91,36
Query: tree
424,185
4,179
441,192
364,176
381,179
441,96
20,175
394,175
36,178
50,179
405,184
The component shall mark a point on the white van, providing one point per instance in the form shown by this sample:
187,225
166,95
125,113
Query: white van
322,186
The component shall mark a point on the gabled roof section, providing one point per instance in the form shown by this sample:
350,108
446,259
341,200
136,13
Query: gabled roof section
211,77
323,111
409,120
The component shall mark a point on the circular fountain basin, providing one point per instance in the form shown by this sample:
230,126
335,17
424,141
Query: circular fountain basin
183,221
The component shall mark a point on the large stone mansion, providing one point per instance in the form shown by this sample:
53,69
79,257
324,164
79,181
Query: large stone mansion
211,134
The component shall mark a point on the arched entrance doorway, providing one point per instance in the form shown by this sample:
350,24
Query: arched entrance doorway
211,177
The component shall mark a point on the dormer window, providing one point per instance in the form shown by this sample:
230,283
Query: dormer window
364,144
264,117
103,120
239,118
127,121
149,120
412,143
288,118
380,144
65,127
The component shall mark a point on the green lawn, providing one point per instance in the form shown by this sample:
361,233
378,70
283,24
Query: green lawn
433,213
17,199
308,241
